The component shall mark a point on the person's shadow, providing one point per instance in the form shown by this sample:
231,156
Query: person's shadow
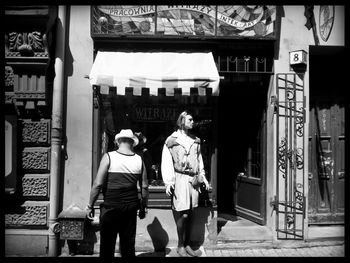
160,239
199,222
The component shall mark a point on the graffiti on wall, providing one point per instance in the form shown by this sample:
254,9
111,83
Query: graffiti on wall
184,20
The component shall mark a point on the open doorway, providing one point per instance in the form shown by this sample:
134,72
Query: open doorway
242,146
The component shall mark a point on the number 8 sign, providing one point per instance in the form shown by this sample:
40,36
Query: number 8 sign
297,57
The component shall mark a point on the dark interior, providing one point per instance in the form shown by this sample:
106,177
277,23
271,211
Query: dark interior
241,112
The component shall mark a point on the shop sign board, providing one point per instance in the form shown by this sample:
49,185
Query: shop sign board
184,20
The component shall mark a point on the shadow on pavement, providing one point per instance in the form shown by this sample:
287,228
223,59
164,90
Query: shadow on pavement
155,253
158,235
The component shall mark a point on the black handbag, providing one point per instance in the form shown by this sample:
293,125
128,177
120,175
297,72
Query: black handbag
197,181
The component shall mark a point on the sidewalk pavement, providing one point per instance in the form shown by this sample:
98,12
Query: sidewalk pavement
282,249
336,250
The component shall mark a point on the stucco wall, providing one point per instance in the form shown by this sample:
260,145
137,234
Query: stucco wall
294,34
79,59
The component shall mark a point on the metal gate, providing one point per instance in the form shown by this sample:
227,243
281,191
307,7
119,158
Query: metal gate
290,199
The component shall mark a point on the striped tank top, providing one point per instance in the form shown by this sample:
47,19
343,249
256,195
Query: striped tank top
123,174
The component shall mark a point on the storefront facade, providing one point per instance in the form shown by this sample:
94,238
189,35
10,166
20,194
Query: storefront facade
254,124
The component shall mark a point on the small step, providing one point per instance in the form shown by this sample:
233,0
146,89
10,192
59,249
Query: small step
326,232
241,233
240,229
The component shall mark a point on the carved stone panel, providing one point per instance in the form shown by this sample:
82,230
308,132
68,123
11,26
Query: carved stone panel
72,229
36,185
9,76
37,132
32,214
37,158
9,97
26,44
28,86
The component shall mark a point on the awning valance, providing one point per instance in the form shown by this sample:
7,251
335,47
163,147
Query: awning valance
155,70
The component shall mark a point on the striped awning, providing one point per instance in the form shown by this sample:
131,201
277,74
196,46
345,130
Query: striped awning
155,70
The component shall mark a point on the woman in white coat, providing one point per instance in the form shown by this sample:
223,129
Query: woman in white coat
183,170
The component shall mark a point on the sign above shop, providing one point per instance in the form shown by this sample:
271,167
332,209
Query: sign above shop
184,20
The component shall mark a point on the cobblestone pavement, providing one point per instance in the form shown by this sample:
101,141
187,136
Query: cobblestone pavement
311,250
317,251
322,251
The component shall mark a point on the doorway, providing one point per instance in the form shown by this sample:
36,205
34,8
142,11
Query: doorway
327,136
242,145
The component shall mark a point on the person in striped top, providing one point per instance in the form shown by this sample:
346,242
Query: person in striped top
117,177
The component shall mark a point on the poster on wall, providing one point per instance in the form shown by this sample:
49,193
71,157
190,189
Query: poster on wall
184,20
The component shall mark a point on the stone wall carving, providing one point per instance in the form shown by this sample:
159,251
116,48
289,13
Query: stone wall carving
26,44
72,229
36,158
9,76
9,97
30,95
34,214
36,131
35,185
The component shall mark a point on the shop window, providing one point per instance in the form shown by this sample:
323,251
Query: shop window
155,117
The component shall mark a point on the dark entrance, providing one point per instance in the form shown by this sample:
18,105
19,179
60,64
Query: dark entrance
327,135
242,139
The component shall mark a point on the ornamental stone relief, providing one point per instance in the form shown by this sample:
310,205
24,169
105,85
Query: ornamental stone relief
36,131
9,97
35,214
9,76
30,95
36,159
35,185
26,44
71,229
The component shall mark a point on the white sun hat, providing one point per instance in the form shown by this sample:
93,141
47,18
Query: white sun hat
126,133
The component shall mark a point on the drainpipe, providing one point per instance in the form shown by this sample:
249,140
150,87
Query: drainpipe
56,132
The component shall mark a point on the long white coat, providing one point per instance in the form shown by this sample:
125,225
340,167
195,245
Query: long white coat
185,196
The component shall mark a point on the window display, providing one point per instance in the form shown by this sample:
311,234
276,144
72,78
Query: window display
154,118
